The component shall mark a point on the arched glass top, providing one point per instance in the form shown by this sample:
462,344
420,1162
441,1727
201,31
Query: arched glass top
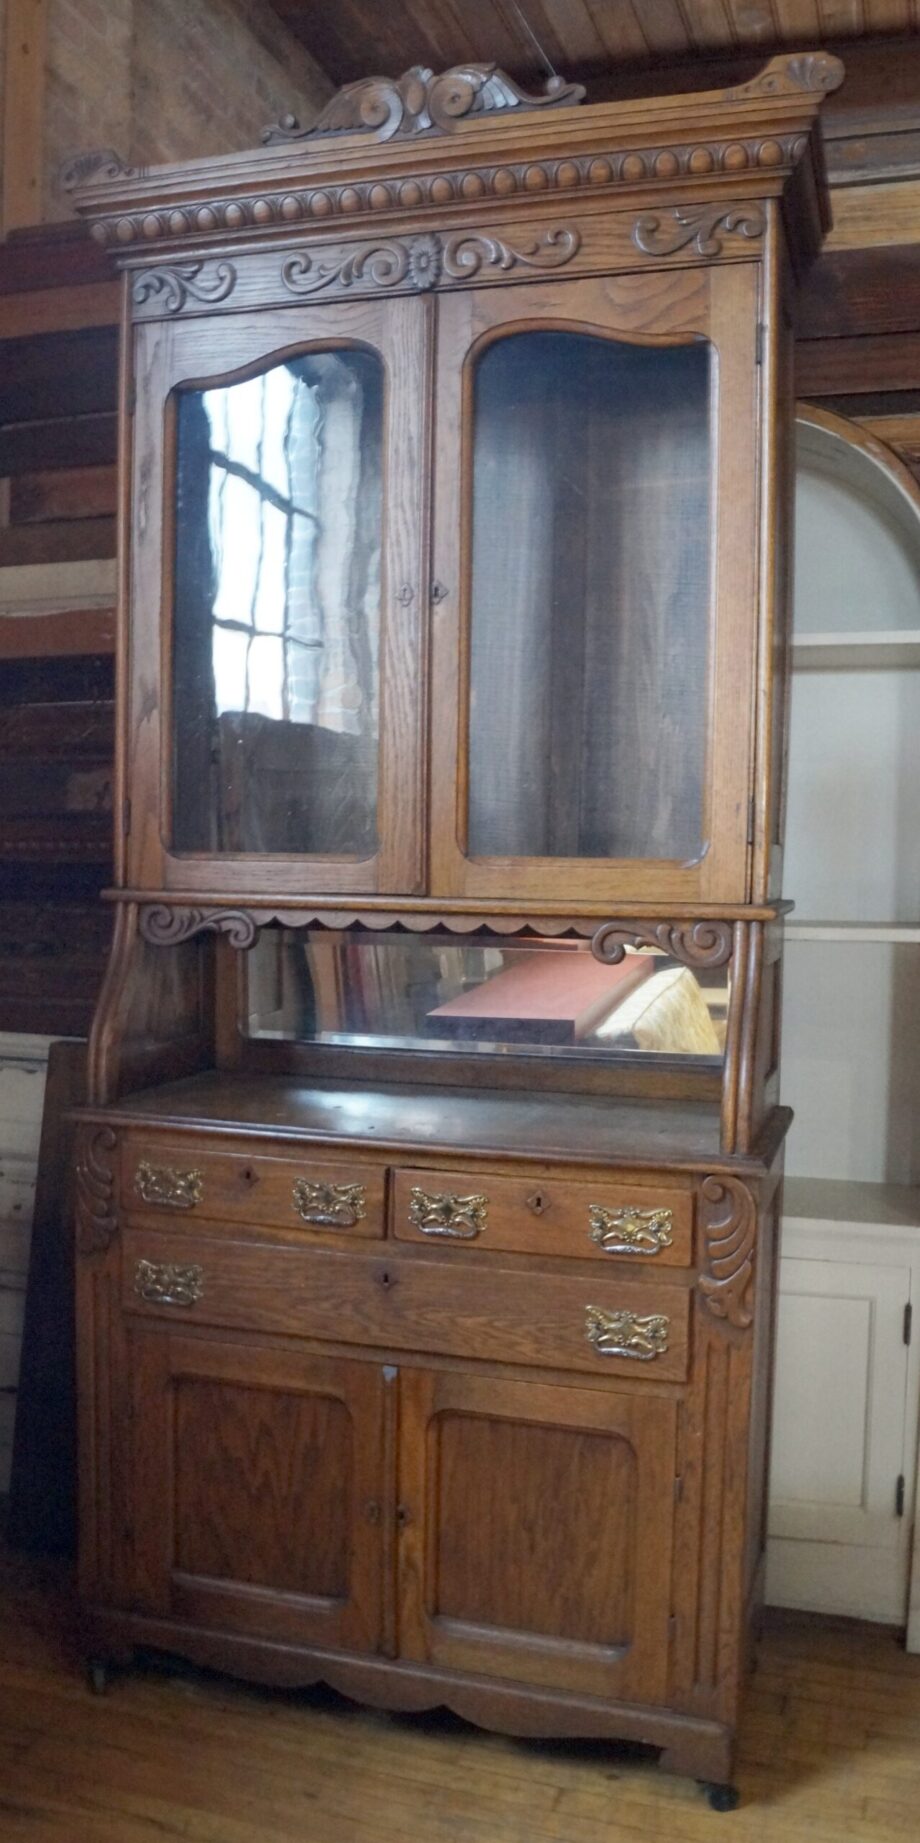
277,609
589,598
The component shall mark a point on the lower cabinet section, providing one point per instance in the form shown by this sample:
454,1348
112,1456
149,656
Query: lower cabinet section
257,1489
510,1529
535,1541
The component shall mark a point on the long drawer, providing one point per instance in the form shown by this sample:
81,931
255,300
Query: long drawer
596,1322
526,1215
238,1187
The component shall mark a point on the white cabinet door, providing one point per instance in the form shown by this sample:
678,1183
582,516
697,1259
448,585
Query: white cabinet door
843,1434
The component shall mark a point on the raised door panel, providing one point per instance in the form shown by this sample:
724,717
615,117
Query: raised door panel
536,1530
258,1489
274,727
594,631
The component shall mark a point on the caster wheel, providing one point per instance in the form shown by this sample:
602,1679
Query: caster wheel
97,1676
722,1797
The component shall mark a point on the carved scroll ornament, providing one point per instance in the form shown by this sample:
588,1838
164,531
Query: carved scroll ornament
164,924
705,227
96,1221
419,102
729,1223
171,288
696,943
423,262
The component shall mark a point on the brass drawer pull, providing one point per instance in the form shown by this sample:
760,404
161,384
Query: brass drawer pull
165,1283
440,1212
630,1230
329,1206
163,1184
622,1334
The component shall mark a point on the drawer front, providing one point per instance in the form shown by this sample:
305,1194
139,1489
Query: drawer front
527,1215
592,1322
278,1193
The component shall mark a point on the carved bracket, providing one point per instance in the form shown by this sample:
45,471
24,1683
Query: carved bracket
661,233
695,943
419,102
165,925
729,1224
171,288
424,262
96,1222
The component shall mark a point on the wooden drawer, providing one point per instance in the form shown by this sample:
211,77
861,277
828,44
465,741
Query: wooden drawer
276,1193
406,1302
528,1215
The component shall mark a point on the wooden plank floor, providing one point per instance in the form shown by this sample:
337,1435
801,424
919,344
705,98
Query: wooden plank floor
831,1754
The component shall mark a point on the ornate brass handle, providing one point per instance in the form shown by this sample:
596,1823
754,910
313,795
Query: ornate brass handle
440,1212
164,1185
329,1206
622,1334
630,1230
165,1283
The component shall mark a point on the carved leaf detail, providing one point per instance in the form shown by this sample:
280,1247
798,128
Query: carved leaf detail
729,1220
466,252
660,234
96,1222
100,163
164,925
697,943
419,102
172,287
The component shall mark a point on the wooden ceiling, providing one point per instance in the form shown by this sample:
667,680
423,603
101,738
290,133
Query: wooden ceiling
584,39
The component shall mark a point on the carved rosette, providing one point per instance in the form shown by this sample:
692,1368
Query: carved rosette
661,233
694,943
164,924
171,288
96,1221
422,263
729,1226
419,102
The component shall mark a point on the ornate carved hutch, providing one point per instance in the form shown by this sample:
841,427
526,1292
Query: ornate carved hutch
428,1185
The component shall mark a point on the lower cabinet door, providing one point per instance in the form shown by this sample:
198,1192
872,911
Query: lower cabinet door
258,1488
536,1532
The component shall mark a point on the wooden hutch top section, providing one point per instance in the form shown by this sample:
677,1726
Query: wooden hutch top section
388,154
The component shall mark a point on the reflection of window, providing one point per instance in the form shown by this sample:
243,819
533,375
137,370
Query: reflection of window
293,465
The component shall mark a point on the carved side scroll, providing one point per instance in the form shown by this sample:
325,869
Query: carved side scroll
814,72
706,227
419,102
696,943
96,1222
171,288
729,1223
165,925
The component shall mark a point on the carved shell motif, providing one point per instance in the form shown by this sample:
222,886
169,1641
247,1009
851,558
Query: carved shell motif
419,102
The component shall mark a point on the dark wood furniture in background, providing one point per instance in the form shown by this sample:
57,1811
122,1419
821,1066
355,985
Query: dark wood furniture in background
444,1375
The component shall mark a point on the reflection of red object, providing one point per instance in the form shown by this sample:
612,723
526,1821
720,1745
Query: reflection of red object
543,998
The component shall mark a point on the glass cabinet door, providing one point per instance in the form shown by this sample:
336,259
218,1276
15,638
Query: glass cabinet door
290,750
597,609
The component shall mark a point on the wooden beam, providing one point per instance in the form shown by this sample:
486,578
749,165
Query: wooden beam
24,112
60,310
49,636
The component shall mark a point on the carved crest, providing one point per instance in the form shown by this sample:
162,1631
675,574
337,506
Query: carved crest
419,102
96,1222
729,1221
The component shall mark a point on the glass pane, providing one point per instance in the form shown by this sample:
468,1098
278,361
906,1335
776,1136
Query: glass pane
276,679
590,598
542,998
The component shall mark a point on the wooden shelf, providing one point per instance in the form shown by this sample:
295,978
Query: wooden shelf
827,651
896,933
848,1200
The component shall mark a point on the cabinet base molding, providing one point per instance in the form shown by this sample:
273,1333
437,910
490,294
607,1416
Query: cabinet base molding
689,1746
